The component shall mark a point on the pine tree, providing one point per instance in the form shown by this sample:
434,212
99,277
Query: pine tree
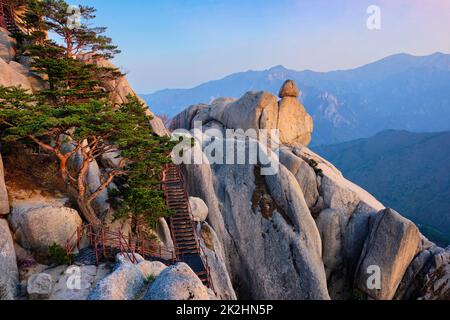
70,61
71,115
92,130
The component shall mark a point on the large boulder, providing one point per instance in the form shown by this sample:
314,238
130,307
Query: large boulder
184,120
40,286
199,209
4,200
178,282
127,281
164,234
74,283
289,89
38,229
255,110
295,124
9,275
391,246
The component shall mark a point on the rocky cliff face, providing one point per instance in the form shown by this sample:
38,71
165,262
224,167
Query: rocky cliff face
305,232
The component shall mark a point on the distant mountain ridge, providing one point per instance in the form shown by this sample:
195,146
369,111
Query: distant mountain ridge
406,171
402,92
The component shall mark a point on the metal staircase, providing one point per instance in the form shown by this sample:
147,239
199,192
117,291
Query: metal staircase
7,17
182,227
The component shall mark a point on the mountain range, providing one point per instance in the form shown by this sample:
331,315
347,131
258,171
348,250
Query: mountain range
401,92
406,171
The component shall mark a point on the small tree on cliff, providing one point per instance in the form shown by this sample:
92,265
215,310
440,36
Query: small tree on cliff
87,130
70,62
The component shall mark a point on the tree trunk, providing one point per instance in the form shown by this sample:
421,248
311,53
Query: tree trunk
84,205
88,212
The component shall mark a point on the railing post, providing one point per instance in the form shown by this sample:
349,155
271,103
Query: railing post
103,242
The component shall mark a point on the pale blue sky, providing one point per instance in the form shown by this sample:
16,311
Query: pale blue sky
182,43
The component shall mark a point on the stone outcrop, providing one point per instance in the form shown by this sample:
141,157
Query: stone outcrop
271,243
199,209
40,286
215,256
185,120
391,246
289,89
39,228
126,282
255,110
13,73
436,283
9,275
178,282
294,123
304,174
164,235
74,283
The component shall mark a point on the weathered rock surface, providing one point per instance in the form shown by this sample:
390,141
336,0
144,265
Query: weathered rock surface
7,46
215,257
271,243
9,275
151,268
4,200
11,72
255,110
184,120
40,286
199,209
392,245
10,77
125,283
74,283
289,89
295,124
37,229
164,235
177,282
342,212
112,159
304,174
436,285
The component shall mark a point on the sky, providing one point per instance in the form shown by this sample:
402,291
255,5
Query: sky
183,43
